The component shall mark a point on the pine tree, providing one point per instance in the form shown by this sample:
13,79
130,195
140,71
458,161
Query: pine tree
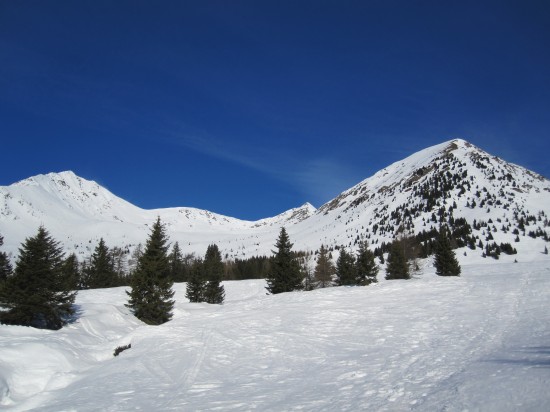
324,269
365,266
37,293
5,265
346,274
177,267
284,275
71,272
150,297
213,270
100,272
445,260
196,284
397,267
118,257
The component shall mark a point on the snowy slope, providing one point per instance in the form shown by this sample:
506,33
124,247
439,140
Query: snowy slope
477,342
453,180
78,212
456,177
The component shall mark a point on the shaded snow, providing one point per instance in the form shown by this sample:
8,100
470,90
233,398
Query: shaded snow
477,342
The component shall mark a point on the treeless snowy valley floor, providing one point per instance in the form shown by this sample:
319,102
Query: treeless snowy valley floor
477,342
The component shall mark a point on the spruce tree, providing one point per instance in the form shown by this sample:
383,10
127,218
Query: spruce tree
284,274
5,265
100,272
150,297
397,267
324,269
196,284
365,266
37,294
118,257
346,274
213,270
445,261
71,272
177,267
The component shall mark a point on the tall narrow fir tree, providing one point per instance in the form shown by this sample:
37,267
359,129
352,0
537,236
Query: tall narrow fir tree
445,261
150,296
284,274
213,270
324,269
397,267
196,284
365,266
345,269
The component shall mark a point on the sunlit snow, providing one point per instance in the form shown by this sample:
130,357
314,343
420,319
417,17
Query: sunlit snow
476,342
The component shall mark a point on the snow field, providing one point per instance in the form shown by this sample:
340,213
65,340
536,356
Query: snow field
477,342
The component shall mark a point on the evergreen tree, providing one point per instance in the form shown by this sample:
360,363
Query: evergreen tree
37,293
177,266
213,270
397,267
284,275
5,265
100,273
196,284
365,265
71,272
445,260
346,275
150,297
324,269
118,257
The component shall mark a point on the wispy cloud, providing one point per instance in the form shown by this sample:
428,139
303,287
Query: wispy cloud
323,179
319,179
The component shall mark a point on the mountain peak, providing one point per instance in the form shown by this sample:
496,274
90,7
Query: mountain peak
451,182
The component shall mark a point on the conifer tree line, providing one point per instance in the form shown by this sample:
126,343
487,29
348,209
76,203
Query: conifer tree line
290,270
41,289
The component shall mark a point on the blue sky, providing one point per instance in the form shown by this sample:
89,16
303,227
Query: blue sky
249,108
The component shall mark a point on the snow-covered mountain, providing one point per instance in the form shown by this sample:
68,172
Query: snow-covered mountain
451,182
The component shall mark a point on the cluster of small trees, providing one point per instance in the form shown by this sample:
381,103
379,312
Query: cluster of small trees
204,284
289,273
41,290
289,270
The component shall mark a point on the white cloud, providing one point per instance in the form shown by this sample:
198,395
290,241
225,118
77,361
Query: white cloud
318,179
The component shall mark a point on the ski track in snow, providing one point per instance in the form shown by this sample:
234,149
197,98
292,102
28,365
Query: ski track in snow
477,342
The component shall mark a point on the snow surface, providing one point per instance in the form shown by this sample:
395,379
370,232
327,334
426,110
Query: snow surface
477,342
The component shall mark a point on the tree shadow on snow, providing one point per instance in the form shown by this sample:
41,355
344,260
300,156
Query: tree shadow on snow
535,357
77,312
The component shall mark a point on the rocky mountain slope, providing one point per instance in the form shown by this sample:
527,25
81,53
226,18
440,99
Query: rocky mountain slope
484,199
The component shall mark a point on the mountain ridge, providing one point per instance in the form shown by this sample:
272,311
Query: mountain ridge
441,184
